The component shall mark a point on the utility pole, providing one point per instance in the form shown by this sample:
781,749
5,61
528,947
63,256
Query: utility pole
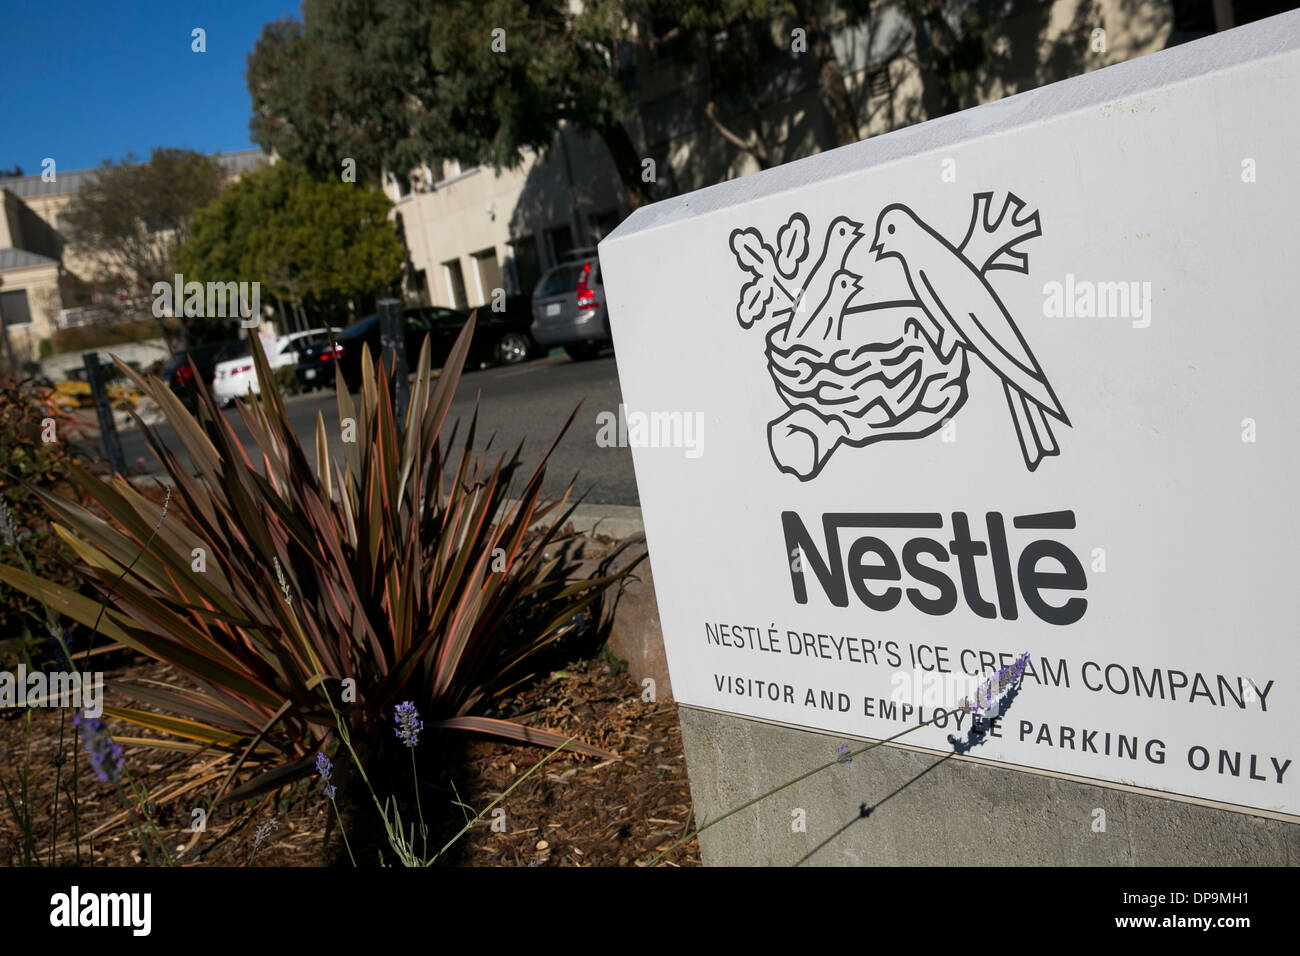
392,334
107,426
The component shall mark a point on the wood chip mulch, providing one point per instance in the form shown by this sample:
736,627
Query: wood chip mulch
573,811
583,811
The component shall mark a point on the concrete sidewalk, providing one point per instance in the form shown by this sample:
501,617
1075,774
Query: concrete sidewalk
614,521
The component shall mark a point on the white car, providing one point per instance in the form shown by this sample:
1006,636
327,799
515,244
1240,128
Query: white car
234,377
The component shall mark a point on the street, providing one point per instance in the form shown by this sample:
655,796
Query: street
527,402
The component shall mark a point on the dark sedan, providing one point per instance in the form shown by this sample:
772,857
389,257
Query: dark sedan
499,337
178,375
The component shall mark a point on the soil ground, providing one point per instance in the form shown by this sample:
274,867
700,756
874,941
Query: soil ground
574,811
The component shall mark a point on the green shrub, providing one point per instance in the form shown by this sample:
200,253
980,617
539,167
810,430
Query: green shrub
29,464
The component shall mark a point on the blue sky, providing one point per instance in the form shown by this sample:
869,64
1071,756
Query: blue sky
88,80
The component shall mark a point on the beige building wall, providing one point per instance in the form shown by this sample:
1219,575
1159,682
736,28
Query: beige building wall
41,284
1042,43
22,228
75,260
477,230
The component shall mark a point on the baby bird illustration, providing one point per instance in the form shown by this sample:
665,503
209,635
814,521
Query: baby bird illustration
841,236
841,288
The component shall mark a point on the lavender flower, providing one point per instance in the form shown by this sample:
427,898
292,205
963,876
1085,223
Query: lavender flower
105,753
988,693
260,836
59,640
325,768
408,723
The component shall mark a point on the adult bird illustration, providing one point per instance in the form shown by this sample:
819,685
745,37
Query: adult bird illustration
951,284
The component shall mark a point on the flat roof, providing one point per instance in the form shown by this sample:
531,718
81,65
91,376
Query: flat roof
66,182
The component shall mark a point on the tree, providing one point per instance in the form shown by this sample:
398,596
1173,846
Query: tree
392,84
733,43
844,120
316,245
129,216
347,82
950,59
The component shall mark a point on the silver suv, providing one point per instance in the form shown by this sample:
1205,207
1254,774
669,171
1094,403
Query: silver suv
569,307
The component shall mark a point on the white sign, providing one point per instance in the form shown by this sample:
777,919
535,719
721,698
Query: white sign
1023,379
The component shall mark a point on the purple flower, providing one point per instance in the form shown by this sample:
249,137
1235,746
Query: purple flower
325,768
408,723
59,639
844,749
105,753
987,693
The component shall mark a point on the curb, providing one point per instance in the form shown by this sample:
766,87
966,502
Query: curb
616,521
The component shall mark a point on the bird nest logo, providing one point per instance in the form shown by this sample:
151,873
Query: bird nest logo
855,374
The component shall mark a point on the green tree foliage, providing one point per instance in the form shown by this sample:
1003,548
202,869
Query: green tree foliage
392,84
347,82
396,83
316,245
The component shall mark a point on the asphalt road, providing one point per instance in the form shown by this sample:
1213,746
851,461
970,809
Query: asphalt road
528,403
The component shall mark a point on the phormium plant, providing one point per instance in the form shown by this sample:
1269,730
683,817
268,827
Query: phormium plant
393,571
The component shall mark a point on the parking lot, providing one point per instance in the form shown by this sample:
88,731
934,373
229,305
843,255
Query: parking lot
527,402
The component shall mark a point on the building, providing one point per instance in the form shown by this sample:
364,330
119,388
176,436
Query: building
41,276
470,231
473,230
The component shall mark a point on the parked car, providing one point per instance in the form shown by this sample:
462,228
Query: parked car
498,337
569,307
234,376
178,376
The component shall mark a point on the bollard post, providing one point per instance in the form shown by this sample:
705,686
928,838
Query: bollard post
107,426
392,333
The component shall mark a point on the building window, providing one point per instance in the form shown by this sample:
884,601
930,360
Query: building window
878,83
487,273
420,287
455,277
558,243
14,310
524,264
